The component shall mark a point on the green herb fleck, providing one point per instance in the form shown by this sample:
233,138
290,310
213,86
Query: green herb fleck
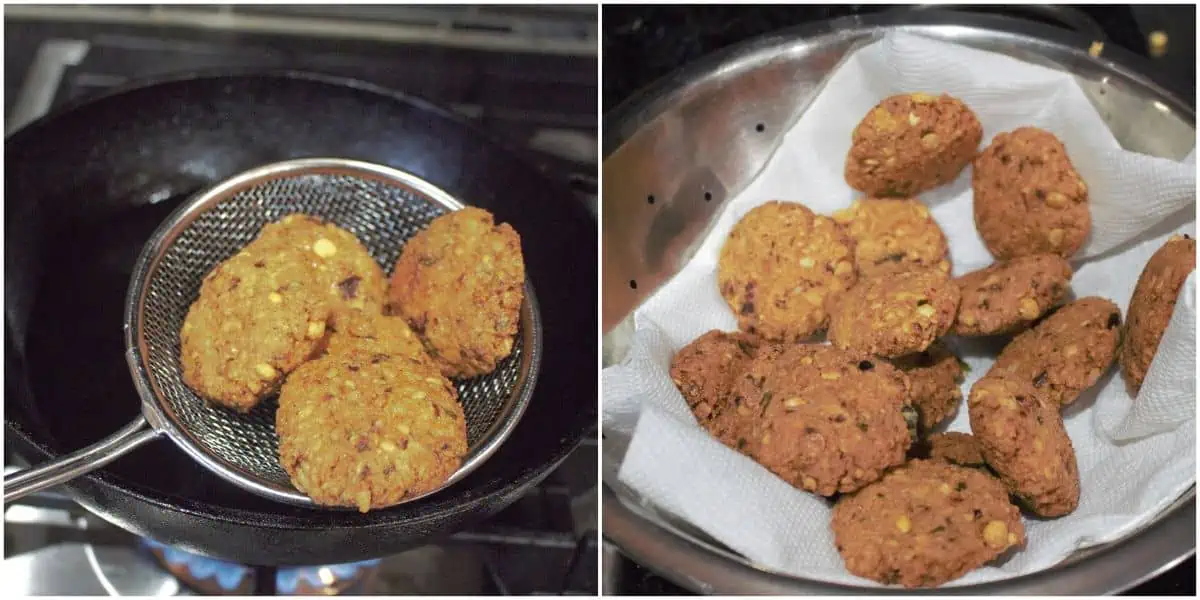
766,401
894,190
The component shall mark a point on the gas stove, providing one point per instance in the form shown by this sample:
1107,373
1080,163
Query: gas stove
526,74
545,543
649,42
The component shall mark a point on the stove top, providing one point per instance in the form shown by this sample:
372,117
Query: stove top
526,74
650,42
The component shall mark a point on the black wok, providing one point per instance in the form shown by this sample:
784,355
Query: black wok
85,187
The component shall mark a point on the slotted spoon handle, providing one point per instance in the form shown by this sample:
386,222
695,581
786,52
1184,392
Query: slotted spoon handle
85,460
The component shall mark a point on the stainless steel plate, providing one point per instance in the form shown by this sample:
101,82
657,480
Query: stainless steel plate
706,132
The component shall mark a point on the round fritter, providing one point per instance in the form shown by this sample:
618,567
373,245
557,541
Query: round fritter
934,375
1067,352
358,430
911,143
1009,295
894,235
925,524
705,371
1023,440
257,318
1152,305
1028,197
827,420
459,284
780,269
894,315
734,426
341,267
954,447
376,334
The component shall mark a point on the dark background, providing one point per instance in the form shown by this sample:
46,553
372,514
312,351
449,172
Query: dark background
640,44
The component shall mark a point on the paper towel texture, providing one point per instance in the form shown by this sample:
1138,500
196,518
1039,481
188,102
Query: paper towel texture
1135,458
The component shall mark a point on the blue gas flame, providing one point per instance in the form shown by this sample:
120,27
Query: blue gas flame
289,579
230,575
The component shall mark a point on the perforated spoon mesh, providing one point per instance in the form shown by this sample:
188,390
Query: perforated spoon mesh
384,208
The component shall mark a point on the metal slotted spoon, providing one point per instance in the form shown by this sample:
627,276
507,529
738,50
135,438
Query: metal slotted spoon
384,207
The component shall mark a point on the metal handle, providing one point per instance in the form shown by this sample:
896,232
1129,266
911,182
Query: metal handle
79,462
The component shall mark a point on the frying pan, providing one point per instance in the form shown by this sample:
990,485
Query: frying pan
87,185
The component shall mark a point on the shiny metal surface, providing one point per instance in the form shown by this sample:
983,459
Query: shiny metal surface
77,463
383,207
555,30
698,137
1070,17
699,564
75,569
43,79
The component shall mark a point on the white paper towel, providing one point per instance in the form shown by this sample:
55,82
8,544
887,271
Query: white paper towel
1135,458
